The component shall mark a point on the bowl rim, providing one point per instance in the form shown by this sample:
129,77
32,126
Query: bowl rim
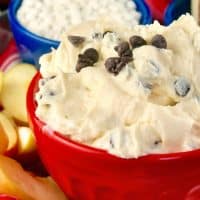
86,149
12,15
14,5
168,13
143,8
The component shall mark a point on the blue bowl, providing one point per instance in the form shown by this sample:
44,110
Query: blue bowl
142,7
32,46
175,10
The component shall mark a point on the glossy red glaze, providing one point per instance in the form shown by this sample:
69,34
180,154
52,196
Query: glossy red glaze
87,173
158,8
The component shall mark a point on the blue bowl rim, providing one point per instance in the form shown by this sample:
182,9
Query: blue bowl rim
15,4
143,8
13,7
168,13
168,18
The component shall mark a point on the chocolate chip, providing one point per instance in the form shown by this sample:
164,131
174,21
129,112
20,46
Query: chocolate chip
76,40
83,62
42,82
126,59
159,41
147,85
84,59
97,36
80,66
88,58
52,77
123,49
51,93
157,142
106,32
114,65
47,105
92,54
182,86
137,41
41,96
111,142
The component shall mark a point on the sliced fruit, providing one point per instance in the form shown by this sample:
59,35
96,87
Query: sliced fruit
16,182
15,84
1,80
26,140
15,121
3,140
4,112
9,129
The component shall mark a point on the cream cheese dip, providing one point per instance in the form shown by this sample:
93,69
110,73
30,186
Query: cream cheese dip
129,91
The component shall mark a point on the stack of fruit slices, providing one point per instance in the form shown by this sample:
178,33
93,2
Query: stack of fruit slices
17,143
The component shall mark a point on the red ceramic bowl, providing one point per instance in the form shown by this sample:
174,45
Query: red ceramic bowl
158,8
86,173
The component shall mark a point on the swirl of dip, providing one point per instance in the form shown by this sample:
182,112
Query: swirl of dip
129,91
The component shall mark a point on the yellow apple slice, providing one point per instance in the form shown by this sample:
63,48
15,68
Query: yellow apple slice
1,80
9,129
9,117
16,182
3,140
26,140
15,84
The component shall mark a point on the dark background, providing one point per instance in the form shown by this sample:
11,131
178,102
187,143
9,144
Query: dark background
3,4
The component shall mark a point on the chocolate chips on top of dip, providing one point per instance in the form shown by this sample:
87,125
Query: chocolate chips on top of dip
88,58
124,50
159,41
76,40
137,41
